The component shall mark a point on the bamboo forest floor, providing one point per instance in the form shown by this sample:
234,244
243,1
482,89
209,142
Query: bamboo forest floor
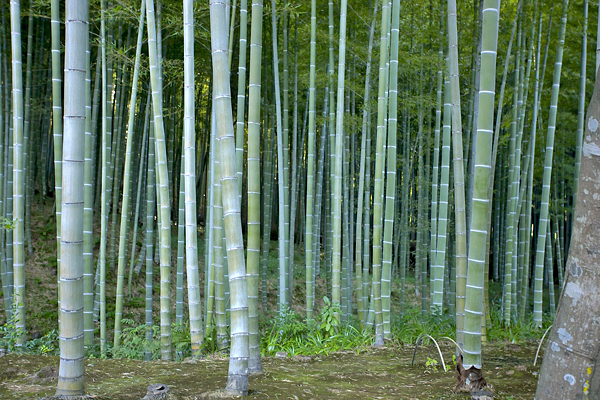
373,374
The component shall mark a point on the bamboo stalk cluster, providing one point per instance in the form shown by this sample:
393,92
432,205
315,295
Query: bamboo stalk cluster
383,192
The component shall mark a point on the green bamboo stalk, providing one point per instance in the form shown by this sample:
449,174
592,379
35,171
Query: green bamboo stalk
237,381
217,247
499,120
268,201
581,105
18,189
8,175
163,184
337,183
442,226
420,251
330,150
544,215
550,270
482,166
26,134
254,191
142,176
363,198
104,186
150,210
3,267
88,214
180,247
283,266
293,190
460,224
390,199
310,164
435,181
70,377
117,158
57,123
241,96
289,262
191,228
124,231
379,167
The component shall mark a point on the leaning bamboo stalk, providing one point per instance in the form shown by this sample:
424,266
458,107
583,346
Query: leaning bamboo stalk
124,226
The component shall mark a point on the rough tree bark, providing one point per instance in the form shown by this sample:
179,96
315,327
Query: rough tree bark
569,368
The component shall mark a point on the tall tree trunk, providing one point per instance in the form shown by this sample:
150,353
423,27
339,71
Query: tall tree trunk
18,191
390,194
254,206
569,369
339,148
545,200
191,228
458,164
310,164
283,259
237,382
379,168
163,186
70,375
482,166
581,107
123,232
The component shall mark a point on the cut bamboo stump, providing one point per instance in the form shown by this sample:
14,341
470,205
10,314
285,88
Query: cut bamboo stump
159,391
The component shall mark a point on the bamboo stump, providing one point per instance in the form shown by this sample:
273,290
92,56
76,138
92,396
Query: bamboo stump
159,391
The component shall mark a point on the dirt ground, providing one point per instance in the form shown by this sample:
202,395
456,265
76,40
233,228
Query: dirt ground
373,374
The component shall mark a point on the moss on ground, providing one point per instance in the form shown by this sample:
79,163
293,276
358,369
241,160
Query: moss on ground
376,374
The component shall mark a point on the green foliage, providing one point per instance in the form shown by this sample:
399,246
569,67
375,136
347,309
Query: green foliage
210,344
519,331
411,325
431,363
45,345
329,317
9,332
134,343
7,223
291,334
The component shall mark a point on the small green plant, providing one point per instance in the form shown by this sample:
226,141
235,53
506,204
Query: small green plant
431,363
46,345
7,223
133,341
328,317
10,332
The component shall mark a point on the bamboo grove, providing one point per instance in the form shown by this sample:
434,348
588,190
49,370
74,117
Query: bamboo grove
389,155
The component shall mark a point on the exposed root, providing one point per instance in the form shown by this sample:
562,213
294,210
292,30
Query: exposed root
471,379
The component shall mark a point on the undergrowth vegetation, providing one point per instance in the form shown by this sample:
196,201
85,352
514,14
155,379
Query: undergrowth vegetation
286,331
